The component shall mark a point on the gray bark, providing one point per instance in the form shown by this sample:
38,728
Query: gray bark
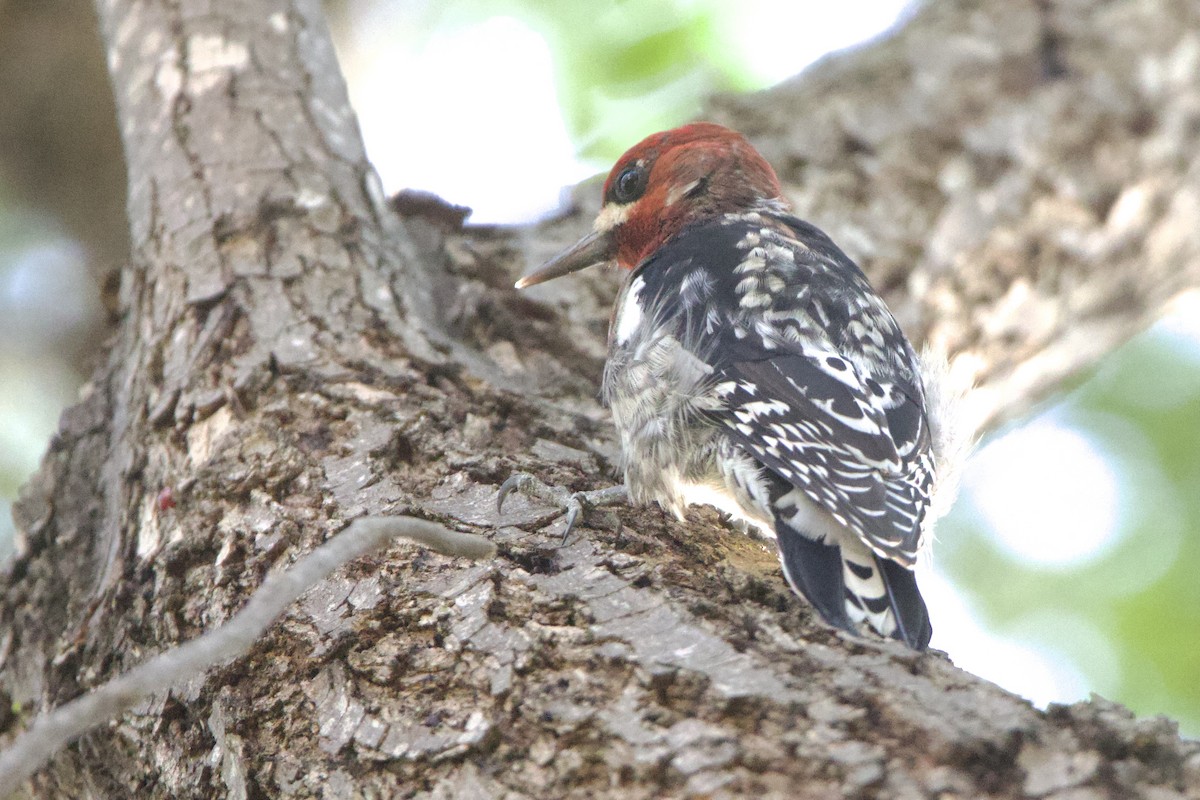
1018,179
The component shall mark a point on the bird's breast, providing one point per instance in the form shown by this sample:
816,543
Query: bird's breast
658,390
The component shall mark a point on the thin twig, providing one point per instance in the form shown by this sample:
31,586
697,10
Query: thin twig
52,731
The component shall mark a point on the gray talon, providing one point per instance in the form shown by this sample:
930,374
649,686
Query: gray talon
514,481
574,509
574,504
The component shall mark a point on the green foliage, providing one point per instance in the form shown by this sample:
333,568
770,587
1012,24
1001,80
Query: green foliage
1130,619
624,70
1158,625
34,382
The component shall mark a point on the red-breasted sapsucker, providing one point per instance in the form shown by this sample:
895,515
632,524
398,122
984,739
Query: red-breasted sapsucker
753,368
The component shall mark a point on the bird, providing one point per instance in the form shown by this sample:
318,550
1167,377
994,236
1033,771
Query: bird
752,367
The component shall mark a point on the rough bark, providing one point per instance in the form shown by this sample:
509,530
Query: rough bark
1020,181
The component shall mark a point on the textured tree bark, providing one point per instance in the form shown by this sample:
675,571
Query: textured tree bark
1020,181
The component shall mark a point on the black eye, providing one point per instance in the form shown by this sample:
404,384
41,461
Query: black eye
630,184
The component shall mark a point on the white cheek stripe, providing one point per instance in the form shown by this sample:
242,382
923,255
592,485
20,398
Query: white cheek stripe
611,216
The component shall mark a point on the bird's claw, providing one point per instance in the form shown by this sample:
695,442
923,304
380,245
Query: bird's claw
574,509
573,503
514,481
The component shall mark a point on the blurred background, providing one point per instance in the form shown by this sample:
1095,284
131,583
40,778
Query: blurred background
1071,563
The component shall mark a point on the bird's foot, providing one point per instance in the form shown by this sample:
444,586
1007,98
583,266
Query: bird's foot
575,504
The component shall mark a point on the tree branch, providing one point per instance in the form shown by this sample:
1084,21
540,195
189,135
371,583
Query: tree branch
1017,179
52,731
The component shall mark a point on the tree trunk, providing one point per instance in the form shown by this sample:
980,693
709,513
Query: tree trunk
1018,179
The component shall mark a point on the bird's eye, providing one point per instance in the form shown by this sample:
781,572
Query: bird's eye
629,184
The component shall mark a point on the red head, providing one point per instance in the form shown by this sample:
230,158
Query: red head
662,184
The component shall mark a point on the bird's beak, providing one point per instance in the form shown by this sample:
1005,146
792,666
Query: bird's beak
595,248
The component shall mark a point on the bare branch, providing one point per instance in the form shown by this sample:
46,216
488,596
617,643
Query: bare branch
50,732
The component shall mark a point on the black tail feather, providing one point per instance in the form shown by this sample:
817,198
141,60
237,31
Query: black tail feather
815,572
912,619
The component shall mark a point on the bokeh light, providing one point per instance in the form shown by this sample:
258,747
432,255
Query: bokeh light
1047,493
